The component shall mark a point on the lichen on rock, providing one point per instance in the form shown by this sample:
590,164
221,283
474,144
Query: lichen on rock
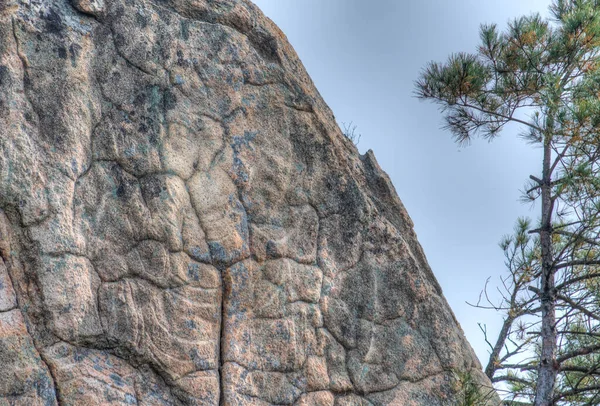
183,223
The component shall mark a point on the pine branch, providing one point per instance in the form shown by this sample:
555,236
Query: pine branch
578,352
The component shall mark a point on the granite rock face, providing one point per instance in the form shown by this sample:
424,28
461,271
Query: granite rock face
183,223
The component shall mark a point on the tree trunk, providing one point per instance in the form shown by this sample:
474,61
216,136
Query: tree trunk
548,368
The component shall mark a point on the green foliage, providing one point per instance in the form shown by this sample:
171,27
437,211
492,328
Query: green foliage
581,373
549,69
471,392
544,76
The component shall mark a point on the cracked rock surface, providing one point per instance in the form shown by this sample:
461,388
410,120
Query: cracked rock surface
183,223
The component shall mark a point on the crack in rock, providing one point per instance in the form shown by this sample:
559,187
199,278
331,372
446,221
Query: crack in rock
196,230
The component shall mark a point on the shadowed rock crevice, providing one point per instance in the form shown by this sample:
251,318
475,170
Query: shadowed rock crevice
192,227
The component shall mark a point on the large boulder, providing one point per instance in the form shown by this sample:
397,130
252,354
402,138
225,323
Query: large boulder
183,223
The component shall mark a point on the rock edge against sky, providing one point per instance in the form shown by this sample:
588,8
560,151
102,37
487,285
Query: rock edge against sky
183,223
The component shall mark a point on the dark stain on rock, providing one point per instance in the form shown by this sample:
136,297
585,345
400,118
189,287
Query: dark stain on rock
154,139
75,51
185,30
141,20
140,99
124,187
62,52
119,40
180,58
120,10
26,81
143,128
53,22
170,99
153,187
121,190
4,75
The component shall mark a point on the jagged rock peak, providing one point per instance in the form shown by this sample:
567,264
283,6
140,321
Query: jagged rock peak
183,223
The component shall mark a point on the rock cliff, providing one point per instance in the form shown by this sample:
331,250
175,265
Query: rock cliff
183,223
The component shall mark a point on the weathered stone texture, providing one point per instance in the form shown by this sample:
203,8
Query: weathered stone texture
183,223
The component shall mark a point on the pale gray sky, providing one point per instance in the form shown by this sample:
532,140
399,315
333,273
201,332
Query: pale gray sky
363,57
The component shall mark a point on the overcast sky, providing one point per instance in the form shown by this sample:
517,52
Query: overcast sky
364,56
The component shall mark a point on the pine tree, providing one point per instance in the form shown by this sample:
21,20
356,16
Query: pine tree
543,75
